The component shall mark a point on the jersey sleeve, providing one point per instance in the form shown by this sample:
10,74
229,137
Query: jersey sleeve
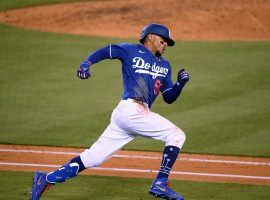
111,51
119,51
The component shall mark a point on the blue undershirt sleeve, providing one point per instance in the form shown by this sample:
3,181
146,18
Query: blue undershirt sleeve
171,94
169,90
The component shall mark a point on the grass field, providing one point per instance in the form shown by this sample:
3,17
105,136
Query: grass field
7,4
15,185
224,109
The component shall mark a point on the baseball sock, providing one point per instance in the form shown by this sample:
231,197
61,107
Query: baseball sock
170,154
79,161
67,171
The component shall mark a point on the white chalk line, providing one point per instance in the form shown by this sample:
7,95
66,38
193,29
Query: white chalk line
140,157
143,171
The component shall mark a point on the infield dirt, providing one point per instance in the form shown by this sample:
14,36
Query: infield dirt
188,20
204,168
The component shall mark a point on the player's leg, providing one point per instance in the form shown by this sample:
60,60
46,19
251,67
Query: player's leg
152,125
159,187
68,170
43,180
173,144
111,141
174,141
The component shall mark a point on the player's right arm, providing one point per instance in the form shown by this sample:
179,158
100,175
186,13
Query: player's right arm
108,52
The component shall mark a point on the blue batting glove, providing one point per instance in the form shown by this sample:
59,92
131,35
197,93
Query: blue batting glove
84,70
182,78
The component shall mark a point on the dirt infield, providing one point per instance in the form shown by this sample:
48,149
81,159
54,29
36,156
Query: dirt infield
204,168
188,20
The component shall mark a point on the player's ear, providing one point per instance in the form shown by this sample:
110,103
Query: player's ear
150,37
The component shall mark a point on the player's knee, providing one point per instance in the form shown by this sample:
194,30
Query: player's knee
93,162
176,138
89,160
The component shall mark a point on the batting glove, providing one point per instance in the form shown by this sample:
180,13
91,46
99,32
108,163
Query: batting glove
182,78
84,70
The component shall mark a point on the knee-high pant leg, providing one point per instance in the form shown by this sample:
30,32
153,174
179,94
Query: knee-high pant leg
130,119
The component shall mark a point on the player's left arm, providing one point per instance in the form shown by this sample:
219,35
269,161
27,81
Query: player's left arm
170,91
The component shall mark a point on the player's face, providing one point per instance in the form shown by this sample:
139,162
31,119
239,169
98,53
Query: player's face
159,45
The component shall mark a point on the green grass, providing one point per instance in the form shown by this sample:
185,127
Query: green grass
16,185
224,109
13,4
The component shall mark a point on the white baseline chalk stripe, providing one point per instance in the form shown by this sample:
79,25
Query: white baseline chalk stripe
144,171
186,173
199,160
39,151
140,157
28,164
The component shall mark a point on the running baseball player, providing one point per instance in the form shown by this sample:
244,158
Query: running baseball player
145,74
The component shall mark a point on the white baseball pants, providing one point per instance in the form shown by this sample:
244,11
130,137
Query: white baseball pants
130,119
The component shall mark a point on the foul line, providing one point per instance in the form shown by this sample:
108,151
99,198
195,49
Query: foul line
140,157
143,171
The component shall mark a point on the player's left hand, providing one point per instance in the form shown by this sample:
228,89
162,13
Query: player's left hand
84,70
183,77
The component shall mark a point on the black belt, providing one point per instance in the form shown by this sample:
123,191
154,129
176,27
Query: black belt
138,100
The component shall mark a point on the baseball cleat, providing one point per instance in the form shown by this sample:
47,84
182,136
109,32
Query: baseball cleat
39,185
160,188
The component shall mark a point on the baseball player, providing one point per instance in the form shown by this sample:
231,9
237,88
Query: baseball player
145,74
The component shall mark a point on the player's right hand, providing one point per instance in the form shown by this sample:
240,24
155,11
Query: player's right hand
83,71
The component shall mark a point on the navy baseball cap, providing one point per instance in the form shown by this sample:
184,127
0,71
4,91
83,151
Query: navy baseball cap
157,29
